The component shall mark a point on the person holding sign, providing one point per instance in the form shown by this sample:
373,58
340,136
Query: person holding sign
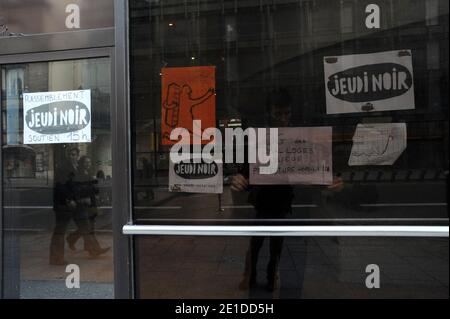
269,201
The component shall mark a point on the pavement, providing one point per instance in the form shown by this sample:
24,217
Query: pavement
213,267
205,267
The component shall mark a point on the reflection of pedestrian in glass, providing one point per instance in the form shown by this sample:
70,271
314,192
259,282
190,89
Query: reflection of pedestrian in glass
63,204
85,191
101,176
270,201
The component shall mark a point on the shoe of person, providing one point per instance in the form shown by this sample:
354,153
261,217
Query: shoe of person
93,246
72,240
272,282
252,280
247,282
97,252
243,285
58,262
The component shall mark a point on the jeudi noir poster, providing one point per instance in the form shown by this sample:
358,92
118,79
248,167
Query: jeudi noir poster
196,176
57,117
372,82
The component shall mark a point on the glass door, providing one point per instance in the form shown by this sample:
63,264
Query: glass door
57,179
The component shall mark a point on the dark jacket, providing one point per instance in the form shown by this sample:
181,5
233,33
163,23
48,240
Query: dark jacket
270,201
63,190
85,186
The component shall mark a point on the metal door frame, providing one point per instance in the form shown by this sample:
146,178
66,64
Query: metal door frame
81,45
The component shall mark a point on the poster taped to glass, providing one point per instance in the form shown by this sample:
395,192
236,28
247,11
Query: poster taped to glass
188,94
304,157
57,117
378,144
196,176
372,82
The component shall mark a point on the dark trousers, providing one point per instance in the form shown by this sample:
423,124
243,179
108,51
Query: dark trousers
62,220
85,222
276,246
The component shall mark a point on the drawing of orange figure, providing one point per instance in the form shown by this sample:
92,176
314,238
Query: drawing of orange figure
171,106
188,94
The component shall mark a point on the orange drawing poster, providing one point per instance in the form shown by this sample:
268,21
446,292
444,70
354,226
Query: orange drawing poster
188,94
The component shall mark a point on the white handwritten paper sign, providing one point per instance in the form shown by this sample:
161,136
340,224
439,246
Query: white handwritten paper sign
378,144
381,81
57,117
191,177
304,157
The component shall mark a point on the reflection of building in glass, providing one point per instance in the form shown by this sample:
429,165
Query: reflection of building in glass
256,46
20,161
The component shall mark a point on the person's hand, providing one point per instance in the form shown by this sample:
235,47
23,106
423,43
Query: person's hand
239,183
338,184
71,204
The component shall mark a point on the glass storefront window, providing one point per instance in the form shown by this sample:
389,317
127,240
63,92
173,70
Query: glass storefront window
307,68
258,48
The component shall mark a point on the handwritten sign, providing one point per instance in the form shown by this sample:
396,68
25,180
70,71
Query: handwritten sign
57,117
188,94
380,81
378,144
304,157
